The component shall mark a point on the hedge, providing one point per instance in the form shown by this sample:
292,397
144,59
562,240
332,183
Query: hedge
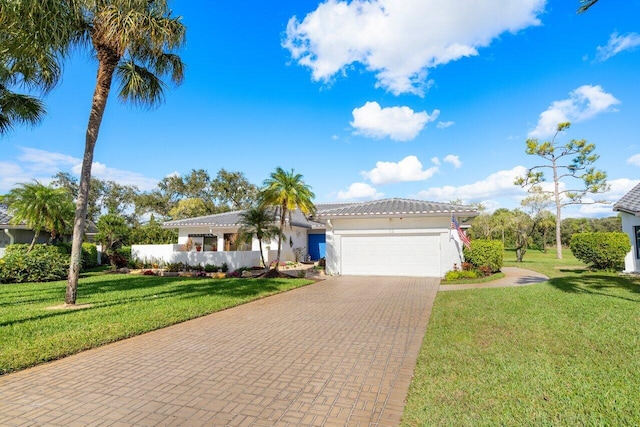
44,263
601,250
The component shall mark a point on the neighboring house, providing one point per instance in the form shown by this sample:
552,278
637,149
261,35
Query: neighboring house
21,233
15,233
390,237
629,208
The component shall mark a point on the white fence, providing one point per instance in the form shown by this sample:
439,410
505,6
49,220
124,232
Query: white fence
172,254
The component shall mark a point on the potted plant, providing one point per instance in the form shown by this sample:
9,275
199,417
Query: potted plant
198,246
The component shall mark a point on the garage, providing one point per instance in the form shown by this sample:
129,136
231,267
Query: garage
391,255
393,237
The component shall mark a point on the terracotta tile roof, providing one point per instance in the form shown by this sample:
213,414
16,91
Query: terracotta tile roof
630,202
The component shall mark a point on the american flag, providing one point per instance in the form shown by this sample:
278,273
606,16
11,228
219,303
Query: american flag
463,237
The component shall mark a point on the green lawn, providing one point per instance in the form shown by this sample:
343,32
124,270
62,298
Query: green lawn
121,306
565,352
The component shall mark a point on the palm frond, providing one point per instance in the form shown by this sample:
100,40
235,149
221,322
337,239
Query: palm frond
139,85
585,5
18,108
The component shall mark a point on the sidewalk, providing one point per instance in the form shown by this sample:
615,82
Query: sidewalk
514,276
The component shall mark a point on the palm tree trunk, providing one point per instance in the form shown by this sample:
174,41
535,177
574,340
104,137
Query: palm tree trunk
36,233
266,267
282,214
106,67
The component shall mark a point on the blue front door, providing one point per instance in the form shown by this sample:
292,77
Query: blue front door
317,246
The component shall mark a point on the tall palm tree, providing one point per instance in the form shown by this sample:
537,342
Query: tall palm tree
40,207
133,41
287,192
259,222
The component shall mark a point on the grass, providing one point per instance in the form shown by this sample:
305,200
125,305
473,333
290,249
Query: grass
121,306
564,352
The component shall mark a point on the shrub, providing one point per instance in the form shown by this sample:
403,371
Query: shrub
603,251
485,254
460,274
175,267
224,268
211,268
89,255
44,263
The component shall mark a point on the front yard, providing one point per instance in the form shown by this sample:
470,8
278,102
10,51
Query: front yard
121,306
564,352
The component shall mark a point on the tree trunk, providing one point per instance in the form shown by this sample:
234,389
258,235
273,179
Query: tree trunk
36,233
107,62
556,186
282,213
266,267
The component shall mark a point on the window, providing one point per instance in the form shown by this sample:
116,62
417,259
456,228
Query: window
636,232
231,244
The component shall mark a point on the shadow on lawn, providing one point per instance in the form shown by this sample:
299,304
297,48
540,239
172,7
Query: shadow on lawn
148,288
586,282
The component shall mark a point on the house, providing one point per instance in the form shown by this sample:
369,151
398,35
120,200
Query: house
21,233
629,208
389,237
15,233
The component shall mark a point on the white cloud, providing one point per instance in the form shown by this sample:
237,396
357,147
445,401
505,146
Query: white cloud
634,160
435,161
397,123
498,184
407,169
41,165
102,171
444,125
583,103
618,188
399,40
454,160
360,190
617,43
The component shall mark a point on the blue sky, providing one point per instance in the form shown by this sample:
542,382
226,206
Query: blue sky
426,99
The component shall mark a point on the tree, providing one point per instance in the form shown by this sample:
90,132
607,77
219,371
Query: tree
500,222
481,227
40,207
234,190
112,233
522,226
579,167
189,208
259,222
133,41
585,5
286,191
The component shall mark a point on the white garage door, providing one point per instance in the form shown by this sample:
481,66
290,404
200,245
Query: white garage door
391,255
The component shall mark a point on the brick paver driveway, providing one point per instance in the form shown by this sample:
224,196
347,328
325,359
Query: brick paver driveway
338,352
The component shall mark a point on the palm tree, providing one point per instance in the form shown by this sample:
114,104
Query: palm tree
41,208
287,192
133,41
259,222
586,4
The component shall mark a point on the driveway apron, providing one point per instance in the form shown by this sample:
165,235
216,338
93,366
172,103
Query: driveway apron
338,352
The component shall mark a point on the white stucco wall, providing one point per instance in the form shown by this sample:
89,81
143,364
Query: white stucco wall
337,229
172,254
631,262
